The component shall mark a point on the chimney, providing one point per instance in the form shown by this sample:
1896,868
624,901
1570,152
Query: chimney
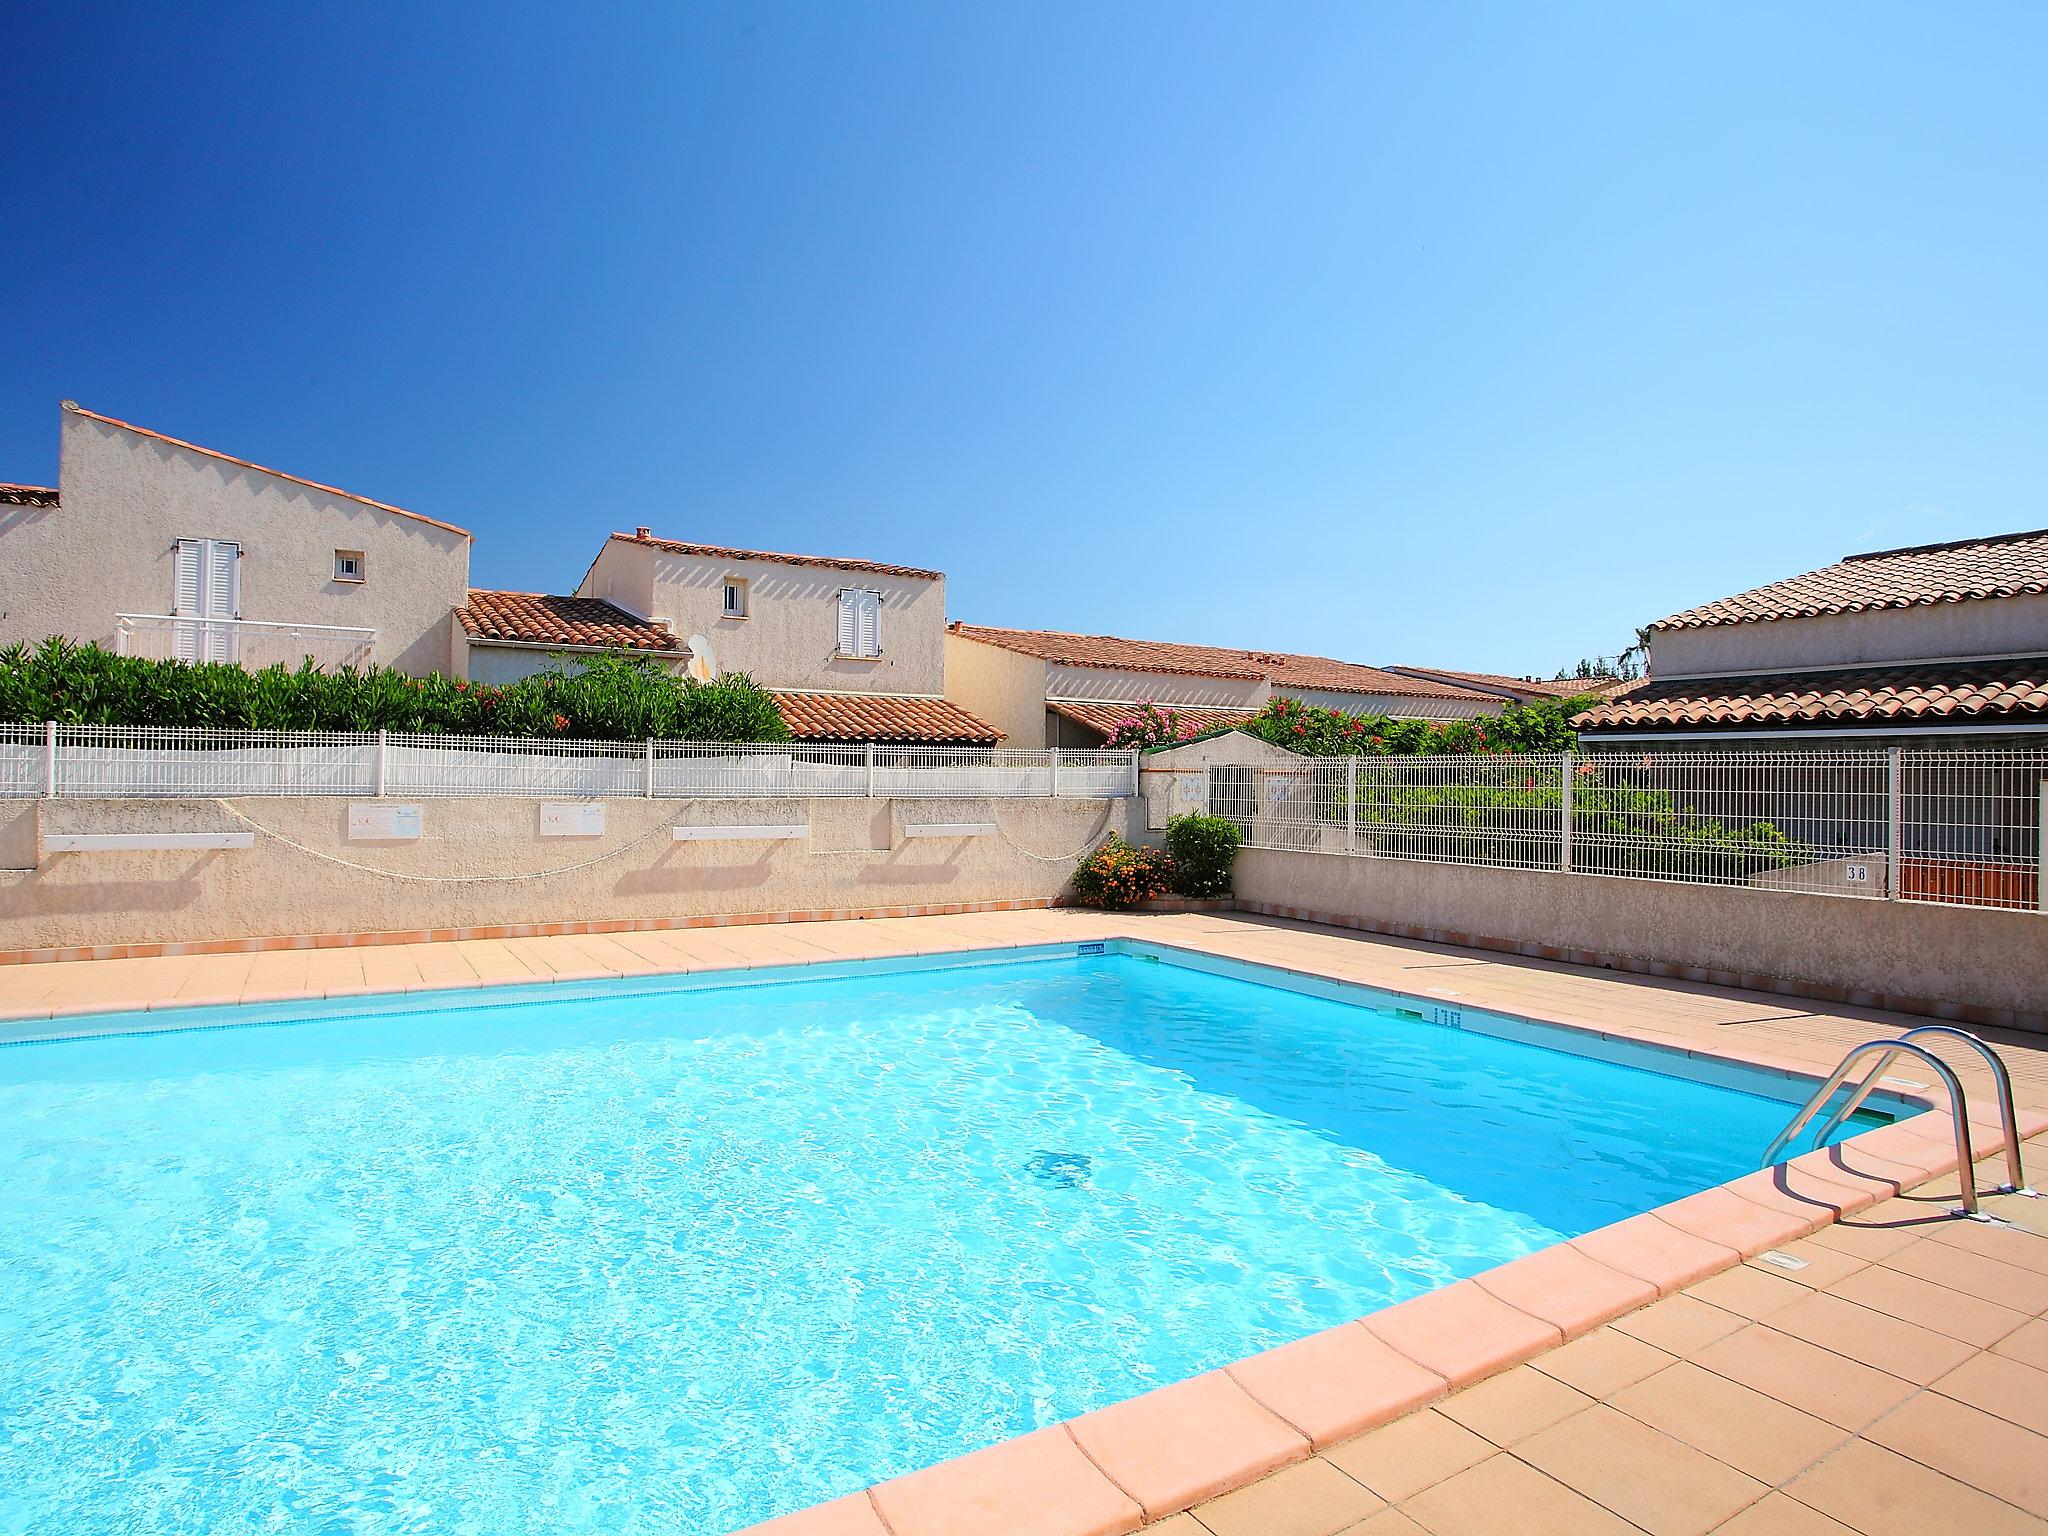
642,532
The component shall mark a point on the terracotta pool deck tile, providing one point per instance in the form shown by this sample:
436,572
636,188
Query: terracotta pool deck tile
1929,1305
1514,1405
1602,1362
1462,1333
1822,1266
1409,1455
1749,1290
1175,1446
1682,1324
1958,1269
1746,1429
1989,1453
2021,1249
2027,1344
1653,1250
853,1515
1388,1522
1336,1384
1902,1349
1502,1496
1641,1474
1777,1515
1994,1384
1566,1288
1805,1376
1311,1498
1742,1221
1038,1484
1878,1492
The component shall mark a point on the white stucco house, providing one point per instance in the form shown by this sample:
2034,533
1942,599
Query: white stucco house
158,547
1043,687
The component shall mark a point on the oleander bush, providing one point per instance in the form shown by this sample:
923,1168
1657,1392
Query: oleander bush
1148,726
1544,726
1202,849
1118,875
604,698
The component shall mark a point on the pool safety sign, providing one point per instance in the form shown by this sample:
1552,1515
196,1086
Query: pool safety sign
575,818
380,821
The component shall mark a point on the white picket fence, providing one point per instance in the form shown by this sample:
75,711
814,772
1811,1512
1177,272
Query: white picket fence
117,763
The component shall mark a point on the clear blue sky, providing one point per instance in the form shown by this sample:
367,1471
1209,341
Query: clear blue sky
1468,334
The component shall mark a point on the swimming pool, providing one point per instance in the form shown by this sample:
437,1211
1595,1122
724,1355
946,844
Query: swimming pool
681,1255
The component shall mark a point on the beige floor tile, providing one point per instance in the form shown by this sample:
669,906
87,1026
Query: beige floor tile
1388,1522
1749,1290
1745,1429
1309,1499
1878,1492
1805,1376
2027,1344
1409,1455
1648,1478
1513,1405
1969,1444
1602,1362
1903,1349
1778,1515
2008,1388
1502,1496
1679,1324
1872,1236
2023,1249
1824,1265
2004,1285
1960,1316
1177,1525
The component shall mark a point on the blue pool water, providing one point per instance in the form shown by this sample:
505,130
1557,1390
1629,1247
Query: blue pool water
638,1261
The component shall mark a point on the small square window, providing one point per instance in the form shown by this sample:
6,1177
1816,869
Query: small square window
348,565
735,599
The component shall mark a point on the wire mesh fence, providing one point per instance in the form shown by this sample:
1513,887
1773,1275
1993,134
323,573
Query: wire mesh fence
1910,823
122,762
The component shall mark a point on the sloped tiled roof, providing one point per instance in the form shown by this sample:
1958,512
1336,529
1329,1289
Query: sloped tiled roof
1544,687
882,717
830,562
539,618
1283,669
228,458
1107,717
27,495
2008,565
1918,694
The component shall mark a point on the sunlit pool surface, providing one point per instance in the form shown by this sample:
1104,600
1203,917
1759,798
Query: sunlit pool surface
637,1259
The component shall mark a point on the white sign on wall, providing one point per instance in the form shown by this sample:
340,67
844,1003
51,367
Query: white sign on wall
381,822
1191,788
572,818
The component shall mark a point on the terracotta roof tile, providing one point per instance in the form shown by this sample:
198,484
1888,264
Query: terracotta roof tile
1107,717
1540,687
1283,669
830,562
1923,693
2008,565
228,458
882,717
538,618
27,495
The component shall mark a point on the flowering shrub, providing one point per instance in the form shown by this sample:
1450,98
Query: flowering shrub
1150,726
1544,726
1202,849
1119,875
607,698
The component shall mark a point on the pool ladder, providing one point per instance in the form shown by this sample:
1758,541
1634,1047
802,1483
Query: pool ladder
1959,1109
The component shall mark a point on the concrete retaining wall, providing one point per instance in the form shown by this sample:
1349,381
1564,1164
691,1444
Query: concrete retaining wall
483,863
1978,964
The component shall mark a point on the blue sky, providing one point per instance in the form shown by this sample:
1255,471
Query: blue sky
1475,335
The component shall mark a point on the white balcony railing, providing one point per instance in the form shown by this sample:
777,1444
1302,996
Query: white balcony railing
251,643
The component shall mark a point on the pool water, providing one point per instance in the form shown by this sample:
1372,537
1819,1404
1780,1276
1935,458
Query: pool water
637,1260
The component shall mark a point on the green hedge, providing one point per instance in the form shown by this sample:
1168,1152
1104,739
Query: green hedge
1202,849
1544,726
605,698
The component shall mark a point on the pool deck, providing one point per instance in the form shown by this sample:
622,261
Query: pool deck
1668,1374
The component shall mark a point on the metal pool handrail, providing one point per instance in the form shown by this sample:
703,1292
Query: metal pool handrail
2015,1174
1959,1110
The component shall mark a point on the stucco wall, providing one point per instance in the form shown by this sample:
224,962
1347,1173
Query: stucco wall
1399,705
2003,626
127,498
483,862
1003,687
508,663
790,636
1108,685
1174,781
1879,953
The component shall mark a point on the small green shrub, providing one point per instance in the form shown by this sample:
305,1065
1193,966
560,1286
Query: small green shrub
605,698
1202,849
1118,875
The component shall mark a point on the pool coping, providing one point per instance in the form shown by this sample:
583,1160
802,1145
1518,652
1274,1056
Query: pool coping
1117,1468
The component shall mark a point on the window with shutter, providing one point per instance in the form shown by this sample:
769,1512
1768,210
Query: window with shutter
849,623
871,624
206,587
860,623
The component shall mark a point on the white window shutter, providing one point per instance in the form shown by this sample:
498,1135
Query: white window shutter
870,624
849,623
223,599
188,578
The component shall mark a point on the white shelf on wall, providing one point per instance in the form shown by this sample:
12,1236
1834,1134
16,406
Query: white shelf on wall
144,842
739,834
